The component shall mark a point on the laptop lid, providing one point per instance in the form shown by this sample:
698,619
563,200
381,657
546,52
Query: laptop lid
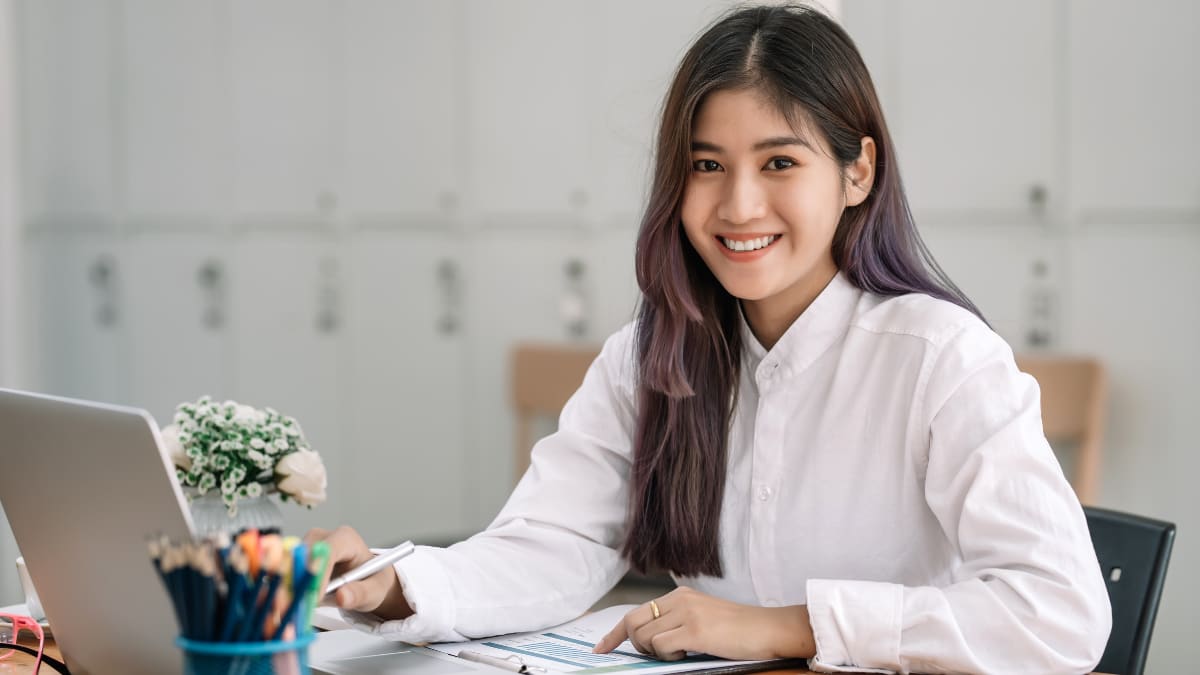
83,485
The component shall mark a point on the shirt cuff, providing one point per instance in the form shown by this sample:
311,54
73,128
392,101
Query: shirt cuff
856,625
428,592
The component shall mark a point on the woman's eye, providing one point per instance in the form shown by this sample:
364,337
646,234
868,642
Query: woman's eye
780,163
705,165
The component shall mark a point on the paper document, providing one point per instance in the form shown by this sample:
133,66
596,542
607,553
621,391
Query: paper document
568,649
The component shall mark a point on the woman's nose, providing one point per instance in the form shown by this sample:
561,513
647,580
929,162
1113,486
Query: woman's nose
743,201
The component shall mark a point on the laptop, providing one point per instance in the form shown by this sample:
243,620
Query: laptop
83,485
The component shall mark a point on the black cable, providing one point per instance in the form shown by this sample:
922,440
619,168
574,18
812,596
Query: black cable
46,658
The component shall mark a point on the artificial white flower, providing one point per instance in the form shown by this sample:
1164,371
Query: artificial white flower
301,476
236,449
174,447
244,414
207,482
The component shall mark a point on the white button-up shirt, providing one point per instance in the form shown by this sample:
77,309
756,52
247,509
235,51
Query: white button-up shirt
886,467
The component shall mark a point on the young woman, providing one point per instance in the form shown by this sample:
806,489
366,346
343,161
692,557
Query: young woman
808,425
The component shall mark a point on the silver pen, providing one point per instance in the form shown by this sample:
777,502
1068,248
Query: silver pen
372,566
513,663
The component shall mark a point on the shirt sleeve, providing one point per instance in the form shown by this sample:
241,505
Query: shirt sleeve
554,549
1028,595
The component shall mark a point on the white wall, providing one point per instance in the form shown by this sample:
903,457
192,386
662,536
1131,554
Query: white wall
9,205
9,261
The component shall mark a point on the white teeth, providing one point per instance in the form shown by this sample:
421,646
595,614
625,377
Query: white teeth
749,245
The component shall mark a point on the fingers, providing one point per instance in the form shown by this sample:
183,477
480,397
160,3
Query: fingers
640,627
314,535
642,624
669,644
646,637
612,639
346,550
624,629
359,596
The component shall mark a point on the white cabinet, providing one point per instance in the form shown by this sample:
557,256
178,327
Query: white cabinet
630,64
402,73
976,99
174,68
287,311
283,58
1027,308
1134,101
178,331
610,280
869,23
406,413
67,111
77,314
1133,305
527,108
525,285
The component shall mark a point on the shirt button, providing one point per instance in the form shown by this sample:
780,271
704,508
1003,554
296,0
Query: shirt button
764,493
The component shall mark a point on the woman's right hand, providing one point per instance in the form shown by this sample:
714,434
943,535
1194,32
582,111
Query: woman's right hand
380,594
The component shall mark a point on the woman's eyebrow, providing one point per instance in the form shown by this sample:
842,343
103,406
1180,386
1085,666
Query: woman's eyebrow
766,143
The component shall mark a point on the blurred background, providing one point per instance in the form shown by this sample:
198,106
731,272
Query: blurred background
351,211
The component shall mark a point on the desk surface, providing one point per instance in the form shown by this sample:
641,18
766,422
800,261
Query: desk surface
22,664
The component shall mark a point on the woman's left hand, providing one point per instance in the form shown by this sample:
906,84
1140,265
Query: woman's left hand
690,621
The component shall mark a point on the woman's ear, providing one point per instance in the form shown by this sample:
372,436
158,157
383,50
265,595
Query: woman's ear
860,175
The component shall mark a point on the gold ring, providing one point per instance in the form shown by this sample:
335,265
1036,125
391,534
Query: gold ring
654,609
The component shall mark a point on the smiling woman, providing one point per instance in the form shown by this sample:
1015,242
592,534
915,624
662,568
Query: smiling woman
807,424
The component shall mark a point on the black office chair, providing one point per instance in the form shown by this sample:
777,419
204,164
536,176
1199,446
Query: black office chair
1133,553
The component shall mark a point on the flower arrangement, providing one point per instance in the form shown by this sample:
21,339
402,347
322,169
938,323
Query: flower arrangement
243,452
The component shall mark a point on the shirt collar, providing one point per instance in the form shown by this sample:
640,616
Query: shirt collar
809,336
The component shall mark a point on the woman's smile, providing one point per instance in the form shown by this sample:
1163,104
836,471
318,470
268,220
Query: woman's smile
747,247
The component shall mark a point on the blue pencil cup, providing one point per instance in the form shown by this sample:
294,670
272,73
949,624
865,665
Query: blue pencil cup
246,658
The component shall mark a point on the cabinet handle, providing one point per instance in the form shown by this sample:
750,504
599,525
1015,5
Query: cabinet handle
573,308
103,274
1041,308
449,281
328,297
1038,197
210,277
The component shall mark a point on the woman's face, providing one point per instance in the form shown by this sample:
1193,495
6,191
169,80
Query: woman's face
761,204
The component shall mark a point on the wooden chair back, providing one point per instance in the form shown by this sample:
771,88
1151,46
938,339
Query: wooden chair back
543,377
1074,402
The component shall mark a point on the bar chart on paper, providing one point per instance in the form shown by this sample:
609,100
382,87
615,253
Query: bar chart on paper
571,652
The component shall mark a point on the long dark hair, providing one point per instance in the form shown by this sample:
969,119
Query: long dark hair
688,342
